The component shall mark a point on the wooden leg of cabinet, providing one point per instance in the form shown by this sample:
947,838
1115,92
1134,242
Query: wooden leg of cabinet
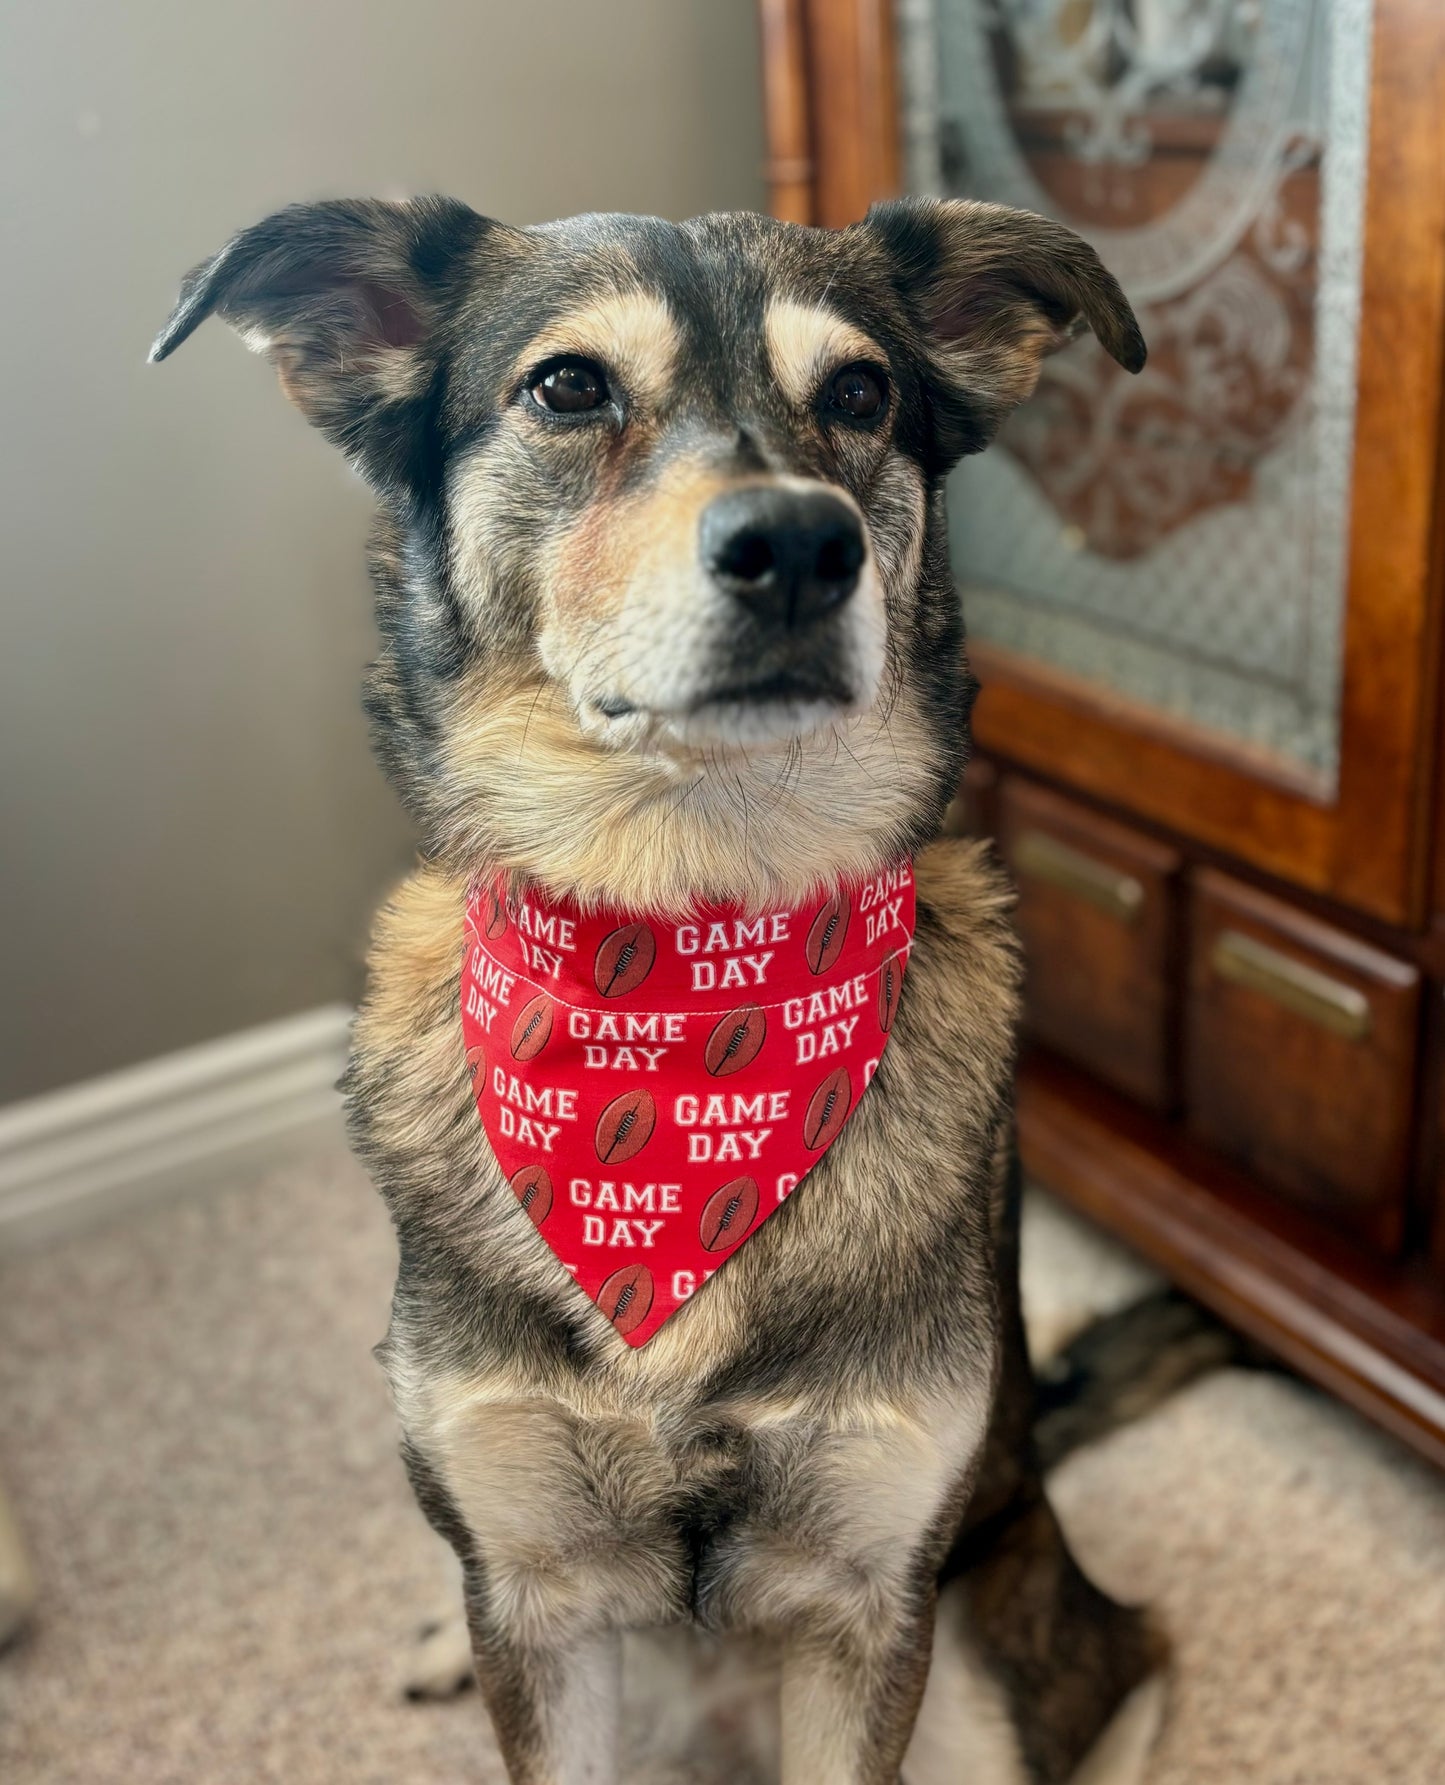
1368,1331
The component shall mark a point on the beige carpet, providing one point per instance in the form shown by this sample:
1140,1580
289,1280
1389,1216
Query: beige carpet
200,1450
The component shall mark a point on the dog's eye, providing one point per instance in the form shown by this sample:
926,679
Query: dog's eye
859,392
570,387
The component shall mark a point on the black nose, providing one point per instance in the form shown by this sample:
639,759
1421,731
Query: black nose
788,555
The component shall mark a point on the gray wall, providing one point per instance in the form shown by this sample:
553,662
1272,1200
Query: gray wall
192,834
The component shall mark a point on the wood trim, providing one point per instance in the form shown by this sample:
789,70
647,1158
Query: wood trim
172,1124
1316,936
854,107
1437,900
1392,631
1370,1333
997,664
1431,1175
1425,947
1434,793
786,109
1113,752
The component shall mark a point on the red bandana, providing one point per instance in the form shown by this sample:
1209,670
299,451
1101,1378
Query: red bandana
654,1089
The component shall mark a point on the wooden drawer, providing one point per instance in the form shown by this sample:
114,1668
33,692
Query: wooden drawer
1096,911
1300,1055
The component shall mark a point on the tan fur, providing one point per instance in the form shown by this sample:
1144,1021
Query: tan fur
1003,372
629,608
399,374
660,832
688,1701
481,506
806,342
632,330
634,335
991,333
634,546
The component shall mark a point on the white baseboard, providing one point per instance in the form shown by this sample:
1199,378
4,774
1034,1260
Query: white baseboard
244,1102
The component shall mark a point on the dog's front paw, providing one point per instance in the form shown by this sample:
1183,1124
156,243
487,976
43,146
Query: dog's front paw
440,1665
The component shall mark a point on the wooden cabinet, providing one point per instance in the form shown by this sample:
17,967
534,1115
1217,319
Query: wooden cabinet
1206,611
1300,1056
1097,915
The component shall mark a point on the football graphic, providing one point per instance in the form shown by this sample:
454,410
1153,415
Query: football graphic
827,933
624,960
828,1110
728,1214
533,1189
735,1041
533,1028
625,1126
626,1297
494,914
890,984
645,1106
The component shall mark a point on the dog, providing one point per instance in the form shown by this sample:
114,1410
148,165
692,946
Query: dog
666,615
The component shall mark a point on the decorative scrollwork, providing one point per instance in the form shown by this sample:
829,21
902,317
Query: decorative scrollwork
1181,535
1126,461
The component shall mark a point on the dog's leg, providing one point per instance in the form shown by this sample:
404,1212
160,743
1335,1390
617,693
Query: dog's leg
965,1732
972,1730
553,1572
850,1694
1066,1656
557,1712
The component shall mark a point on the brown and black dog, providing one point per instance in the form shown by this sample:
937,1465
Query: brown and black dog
823,1464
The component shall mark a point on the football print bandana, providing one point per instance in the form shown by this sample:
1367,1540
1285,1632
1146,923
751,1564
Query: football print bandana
654,1089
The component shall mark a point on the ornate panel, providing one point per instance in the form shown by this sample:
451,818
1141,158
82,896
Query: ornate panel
1179,537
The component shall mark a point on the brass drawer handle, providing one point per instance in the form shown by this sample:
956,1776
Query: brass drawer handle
1043,857
1243,960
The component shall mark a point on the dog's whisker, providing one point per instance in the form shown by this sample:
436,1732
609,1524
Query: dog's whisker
531,711
747,844
861,767
674,806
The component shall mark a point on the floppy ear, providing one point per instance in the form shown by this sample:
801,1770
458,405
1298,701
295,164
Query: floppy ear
995,290
343,297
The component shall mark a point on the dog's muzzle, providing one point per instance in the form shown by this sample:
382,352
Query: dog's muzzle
790,558
775,630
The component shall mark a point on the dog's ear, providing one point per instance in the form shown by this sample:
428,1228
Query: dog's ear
994,290
344,298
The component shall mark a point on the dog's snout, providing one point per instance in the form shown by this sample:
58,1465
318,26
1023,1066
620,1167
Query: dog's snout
790,556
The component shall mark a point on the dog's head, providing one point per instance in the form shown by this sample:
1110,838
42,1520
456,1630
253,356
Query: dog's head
664,594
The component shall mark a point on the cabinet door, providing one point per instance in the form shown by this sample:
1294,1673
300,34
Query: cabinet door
1299,1059
1205,595
1097,919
